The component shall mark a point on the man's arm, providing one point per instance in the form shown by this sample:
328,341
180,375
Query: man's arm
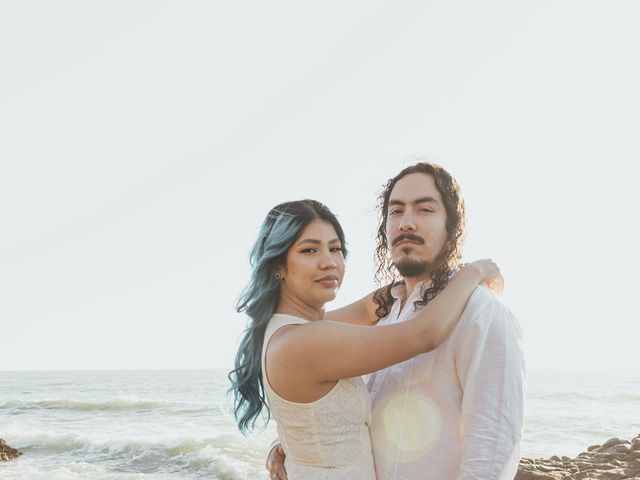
490,366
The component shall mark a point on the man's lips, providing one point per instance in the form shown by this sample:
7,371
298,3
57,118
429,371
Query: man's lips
403,242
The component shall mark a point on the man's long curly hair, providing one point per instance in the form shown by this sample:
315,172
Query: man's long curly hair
387,276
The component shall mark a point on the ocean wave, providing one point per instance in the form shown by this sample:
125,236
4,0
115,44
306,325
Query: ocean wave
83,443
573,396
117,405
226,456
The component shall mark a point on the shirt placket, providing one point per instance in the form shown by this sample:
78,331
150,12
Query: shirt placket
378,377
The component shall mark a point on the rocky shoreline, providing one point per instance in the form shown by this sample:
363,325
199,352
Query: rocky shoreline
616,459
6,452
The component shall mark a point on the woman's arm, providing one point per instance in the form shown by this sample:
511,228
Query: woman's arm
329,351
363,311
360,312
443,312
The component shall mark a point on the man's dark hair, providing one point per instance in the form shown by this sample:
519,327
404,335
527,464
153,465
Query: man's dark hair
387,275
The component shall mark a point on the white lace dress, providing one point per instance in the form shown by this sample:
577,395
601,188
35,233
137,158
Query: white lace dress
327,438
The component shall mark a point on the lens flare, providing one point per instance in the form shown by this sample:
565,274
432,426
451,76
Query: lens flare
404,427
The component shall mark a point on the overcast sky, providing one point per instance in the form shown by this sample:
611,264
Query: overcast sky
142,144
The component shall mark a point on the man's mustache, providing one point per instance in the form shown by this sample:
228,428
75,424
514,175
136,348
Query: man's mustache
408,236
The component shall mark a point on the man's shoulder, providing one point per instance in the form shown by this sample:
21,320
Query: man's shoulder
482,297
485,306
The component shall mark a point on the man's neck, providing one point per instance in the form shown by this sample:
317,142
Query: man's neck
413,281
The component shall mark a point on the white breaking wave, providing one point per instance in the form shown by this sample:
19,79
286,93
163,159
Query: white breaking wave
134,446
117,404
222,456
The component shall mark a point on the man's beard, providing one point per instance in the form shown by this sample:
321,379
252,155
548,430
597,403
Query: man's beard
411,267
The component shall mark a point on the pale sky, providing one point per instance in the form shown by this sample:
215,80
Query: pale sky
142,144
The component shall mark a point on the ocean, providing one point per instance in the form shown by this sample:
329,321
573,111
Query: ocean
170,425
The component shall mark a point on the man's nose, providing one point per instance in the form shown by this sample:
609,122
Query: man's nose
407,223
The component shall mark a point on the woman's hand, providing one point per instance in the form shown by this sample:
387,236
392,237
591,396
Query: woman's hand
489,273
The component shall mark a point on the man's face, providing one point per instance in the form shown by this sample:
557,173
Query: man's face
416,225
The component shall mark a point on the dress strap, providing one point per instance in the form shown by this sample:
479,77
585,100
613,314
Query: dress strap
278,321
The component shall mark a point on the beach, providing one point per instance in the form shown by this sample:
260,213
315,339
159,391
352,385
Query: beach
170,425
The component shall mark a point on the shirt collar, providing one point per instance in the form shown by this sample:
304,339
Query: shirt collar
399,292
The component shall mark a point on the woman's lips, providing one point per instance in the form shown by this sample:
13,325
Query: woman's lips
329,281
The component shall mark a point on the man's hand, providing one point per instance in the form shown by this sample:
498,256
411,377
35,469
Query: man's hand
275,463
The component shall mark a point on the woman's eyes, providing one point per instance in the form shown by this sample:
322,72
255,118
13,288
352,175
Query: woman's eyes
313,250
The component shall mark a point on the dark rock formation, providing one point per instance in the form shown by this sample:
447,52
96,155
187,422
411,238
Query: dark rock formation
616,459
6,452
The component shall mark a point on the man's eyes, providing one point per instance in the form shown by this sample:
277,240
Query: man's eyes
398,211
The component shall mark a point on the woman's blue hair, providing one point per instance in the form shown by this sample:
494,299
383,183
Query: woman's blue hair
259,300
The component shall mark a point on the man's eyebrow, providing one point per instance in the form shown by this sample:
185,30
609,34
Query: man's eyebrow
427,199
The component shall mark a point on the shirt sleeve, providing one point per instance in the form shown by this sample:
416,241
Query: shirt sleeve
274,444
490,367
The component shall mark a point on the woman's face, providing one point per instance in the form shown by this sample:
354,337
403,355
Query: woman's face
314,266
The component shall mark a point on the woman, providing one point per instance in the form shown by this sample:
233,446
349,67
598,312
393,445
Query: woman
309,370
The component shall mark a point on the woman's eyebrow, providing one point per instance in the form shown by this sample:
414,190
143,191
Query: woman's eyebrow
313,241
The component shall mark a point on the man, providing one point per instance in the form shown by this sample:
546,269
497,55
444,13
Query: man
454,413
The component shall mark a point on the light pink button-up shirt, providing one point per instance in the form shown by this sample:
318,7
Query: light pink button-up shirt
456,412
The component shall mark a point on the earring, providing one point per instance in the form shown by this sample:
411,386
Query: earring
278,276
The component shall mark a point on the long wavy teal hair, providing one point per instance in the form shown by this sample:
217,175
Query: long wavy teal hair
259,300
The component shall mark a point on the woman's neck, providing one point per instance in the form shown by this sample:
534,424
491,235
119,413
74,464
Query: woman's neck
297,308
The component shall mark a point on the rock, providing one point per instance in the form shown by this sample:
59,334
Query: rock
620,448
602,458
615,459
614,441
535,475
6,452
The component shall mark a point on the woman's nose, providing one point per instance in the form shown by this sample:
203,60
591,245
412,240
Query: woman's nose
328,261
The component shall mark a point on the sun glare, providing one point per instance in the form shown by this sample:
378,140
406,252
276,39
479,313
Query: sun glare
407,425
